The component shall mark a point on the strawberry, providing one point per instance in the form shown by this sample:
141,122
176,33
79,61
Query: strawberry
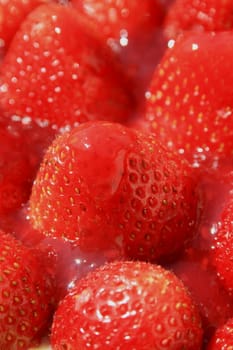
127,305
15,173
65,262
189,101
201,15
26,295
214,303
223,337
13,13
56,81
221,242
223,246
21,150
131,31
195,265
119,22
103,185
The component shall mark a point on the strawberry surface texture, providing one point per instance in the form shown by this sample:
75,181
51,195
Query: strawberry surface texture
127,305
200,15
26,295
57,81
222,338
116,175
13,13
103,185
189,101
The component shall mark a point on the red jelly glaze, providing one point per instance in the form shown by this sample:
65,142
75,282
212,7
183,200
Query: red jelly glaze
193,267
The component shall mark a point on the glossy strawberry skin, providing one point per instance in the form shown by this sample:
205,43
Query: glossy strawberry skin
223,246
121,21
214,303
127,305
189,102
103,185
13,13
132,32
26,295
223,337
21,151
57,81
202,15
15,174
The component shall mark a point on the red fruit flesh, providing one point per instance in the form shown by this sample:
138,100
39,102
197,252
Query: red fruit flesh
127,305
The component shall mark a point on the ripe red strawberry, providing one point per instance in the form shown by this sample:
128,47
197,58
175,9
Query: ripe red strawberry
119,22
13,13
133,33
26,295
21,150
189,101
127,305
215,305
223,246
201,15
57,81
15,174
103,185
223,337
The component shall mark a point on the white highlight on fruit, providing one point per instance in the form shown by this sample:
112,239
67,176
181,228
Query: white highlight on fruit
171,43
4,88
195,47
26,37
124,37
214,229
124,41
19,60
57,30
82,298
26,120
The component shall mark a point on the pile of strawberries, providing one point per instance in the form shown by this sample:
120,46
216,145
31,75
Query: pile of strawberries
116,174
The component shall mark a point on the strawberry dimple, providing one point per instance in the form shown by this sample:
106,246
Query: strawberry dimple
161,204
127,305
